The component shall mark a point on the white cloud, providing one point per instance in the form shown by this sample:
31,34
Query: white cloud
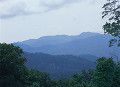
70,17
3,0
11,11
13,8
77,18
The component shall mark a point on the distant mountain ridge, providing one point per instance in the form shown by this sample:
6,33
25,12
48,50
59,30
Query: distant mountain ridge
54,40
58,65
85,43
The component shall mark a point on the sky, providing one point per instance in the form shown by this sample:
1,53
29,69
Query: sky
30,19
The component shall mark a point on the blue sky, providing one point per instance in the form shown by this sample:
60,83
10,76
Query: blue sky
28,19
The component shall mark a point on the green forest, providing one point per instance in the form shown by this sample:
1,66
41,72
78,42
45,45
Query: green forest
14,72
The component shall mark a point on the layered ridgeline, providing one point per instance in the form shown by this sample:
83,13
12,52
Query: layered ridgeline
86,43
59,65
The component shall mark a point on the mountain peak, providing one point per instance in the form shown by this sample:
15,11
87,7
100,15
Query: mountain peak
86,33
57,39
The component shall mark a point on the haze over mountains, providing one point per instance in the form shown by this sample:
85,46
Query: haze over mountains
63,55
54,40
86,43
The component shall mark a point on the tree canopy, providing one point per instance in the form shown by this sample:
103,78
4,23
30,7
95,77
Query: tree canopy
112,26
12,66
14,73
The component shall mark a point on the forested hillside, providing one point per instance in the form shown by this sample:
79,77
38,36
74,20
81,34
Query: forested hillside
59,65
14,73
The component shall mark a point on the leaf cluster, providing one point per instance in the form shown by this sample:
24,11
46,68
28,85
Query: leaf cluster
112,26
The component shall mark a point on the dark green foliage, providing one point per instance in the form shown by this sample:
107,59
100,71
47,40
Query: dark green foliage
112,10
14,73
63,82
107,73
54,83
12,66
82,79
38,78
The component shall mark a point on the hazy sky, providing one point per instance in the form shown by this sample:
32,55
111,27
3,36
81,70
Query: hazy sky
27,19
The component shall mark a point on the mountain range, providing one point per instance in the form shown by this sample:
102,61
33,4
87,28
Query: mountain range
63,55
86,43
59,65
